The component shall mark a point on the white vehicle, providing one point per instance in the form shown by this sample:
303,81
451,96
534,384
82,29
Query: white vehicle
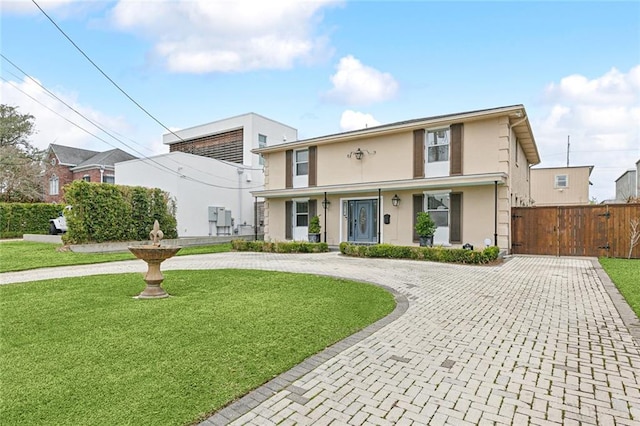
59,224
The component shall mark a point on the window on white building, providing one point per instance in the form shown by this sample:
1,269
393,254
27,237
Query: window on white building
54,185
262,143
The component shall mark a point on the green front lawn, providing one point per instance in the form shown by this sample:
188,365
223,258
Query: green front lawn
625,274
23,255
83,351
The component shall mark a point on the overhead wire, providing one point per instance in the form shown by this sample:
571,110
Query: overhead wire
128,96
101,127
155,163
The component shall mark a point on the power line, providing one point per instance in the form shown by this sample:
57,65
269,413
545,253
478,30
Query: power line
105,74
126,94
155,163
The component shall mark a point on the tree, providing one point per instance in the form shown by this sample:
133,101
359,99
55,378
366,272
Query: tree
20,161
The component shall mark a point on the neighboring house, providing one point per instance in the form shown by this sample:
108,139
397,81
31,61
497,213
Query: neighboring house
66,164
199,184
231,139
465,169
211,165
628,185
552,186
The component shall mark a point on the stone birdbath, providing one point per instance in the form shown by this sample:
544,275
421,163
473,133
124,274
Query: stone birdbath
154,254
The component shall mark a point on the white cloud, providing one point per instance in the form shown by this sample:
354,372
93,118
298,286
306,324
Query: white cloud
358,84
354,120
59,8
602,117
51,118
200,36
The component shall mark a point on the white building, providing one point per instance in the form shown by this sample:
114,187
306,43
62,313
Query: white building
210,172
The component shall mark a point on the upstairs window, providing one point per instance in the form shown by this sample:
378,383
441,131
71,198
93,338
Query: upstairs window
108,179
437,145
562,181
262,143
301,162
54,185
86,178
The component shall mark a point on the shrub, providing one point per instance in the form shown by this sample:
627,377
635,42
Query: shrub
425,226
105,212
279,247
434,254
17,219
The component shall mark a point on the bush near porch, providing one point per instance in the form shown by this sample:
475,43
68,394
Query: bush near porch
279,246
434,254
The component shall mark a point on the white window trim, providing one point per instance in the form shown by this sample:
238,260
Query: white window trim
433,130
56,179
555,182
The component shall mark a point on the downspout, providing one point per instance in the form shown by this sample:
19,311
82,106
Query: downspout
495,213
324,206
379,209
239,215
255,219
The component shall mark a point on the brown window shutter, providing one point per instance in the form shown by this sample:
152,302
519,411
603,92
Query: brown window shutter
455,147
288,220
418,205
313,208
455,216
418,153
288,169
313,162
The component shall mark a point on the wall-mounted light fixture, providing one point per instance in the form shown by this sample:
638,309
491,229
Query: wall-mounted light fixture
359,153
395,200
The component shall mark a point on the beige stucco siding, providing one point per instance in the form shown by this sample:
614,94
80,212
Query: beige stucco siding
275,162
480,149
388,158
544,192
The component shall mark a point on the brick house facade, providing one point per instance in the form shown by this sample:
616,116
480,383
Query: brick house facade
64,164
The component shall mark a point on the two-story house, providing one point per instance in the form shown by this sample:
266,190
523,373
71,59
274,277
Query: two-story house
65,164
465,169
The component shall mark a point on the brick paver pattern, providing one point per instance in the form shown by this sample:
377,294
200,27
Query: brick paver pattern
534,341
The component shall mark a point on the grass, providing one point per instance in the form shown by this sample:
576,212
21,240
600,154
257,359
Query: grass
625,275
83,351
23,255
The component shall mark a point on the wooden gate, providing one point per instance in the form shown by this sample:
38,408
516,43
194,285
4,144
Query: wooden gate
593,230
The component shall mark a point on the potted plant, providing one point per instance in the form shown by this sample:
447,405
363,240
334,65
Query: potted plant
425,228
314,230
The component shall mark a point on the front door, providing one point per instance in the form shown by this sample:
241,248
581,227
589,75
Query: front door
363,221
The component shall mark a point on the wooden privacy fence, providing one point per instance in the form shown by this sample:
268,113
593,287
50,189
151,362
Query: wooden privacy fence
593,230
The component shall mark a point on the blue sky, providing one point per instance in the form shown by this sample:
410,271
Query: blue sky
327,66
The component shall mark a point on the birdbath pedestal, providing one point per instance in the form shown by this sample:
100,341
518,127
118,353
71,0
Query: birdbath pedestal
154,254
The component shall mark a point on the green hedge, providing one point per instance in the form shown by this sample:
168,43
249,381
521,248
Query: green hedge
17,219
279,247
434,254
105,212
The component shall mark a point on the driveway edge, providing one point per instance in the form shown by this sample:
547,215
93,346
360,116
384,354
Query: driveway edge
629,317
242,406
